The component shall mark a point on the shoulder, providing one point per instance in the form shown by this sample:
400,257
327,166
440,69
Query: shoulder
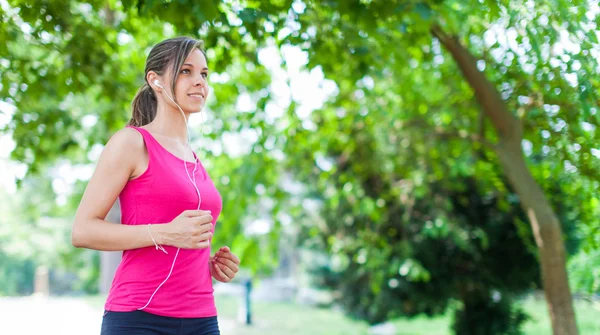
125,143
125,151
127,137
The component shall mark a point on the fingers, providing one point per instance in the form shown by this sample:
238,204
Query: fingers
204,227
202,240
202,219
227,255
202,230
203,222
194,213
224,264
193,229
201,244
201,226
222,276
235,259
228,264
205,236
227,271
229,258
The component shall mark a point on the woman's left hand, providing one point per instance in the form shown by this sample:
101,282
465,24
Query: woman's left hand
224,265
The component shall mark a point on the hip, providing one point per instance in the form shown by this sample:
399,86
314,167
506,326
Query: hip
144,323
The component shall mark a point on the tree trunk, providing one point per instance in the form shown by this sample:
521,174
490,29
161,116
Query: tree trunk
548,237
109,260
546,226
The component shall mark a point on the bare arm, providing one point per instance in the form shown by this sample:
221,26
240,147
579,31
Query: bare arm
125,157
116,165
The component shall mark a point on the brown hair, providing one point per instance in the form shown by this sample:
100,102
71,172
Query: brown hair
170,53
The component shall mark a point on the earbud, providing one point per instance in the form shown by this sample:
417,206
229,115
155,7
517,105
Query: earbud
157,83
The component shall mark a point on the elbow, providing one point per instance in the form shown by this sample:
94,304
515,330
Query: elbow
76,242
77,237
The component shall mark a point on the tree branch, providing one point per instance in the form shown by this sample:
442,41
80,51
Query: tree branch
507,125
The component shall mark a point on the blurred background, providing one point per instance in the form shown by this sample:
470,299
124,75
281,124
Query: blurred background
386,167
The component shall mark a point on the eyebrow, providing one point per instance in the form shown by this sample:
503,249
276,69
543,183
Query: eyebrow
188,64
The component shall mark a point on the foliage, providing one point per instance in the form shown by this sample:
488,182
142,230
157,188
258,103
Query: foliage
474,317
16,275
445,245
585,272
33,233
84,60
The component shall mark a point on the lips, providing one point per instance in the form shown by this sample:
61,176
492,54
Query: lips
197,95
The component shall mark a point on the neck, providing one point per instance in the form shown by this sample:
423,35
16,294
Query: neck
170,122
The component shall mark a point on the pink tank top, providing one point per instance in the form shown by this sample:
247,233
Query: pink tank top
157,196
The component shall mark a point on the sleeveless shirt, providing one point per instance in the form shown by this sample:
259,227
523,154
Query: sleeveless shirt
157,196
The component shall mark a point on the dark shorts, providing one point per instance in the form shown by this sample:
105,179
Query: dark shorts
142,323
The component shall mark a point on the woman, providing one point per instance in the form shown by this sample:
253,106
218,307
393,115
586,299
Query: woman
169,206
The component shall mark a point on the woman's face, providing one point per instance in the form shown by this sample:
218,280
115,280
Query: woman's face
191,87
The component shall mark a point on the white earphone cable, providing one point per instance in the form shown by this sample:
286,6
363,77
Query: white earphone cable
191,181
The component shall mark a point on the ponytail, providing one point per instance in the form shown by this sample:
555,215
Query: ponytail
143,107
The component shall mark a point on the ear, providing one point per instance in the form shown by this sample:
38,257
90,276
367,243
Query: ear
151,77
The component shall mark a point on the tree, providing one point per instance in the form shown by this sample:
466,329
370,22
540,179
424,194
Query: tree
35,234
464,244
359,31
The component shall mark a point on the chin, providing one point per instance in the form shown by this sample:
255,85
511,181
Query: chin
194,109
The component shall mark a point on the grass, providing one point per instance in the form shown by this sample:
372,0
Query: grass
288,319
586,313
291,319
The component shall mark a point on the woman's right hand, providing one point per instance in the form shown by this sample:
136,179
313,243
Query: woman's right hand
192,229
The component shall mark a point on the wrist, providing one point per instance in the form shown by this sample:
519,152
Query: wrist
160,233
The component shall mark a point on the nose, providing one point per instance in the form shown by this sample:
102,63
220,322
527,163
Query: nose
200,81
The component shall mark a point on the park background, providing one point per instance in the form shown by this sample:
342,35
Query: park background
386,167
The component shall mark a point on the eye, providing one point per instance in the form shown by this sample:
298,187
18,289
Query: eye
204,75
185,71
